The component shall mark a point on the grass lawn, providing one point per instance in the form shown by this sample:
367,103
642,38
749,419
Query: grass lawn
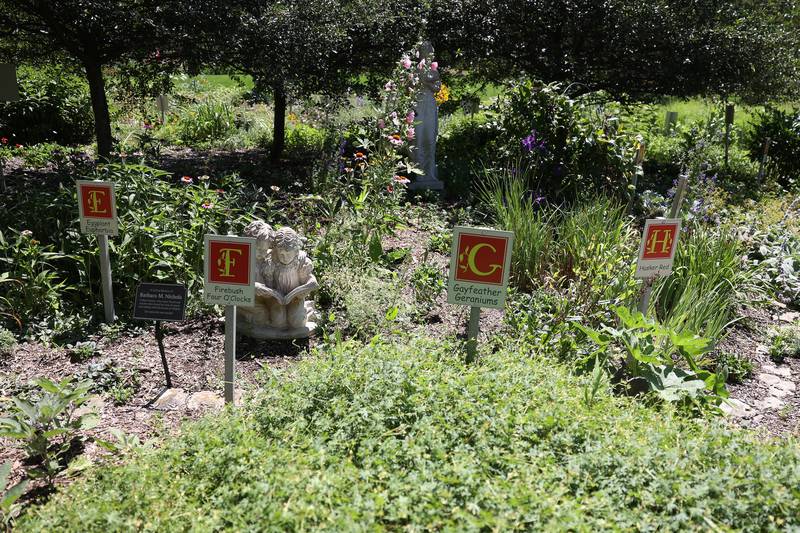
405,436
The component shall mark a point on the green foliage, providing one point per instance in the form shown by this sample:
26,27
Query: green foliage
783,130
738,368
53,107
305,141
205,121
162,223
405,436
775,252
785,343
709,280
428,282
462,147
648,349
9,509
47,425
8,343
570,146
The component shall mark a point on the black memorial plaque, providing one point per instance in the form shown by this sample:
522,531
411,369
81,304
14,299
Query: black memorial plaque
160,301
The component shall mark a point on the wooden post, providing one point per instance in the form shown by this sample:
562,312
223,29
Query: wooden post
230,351
105,278
637,162
764,155
472,333
729,110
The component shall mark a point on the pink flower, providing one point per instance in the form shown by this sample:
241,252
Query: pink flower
395,139
147,126
26,233
17,146
410,117
406,62
389,87
393,116
434,65
4,140
421,65
381,123
220,191
390,188
402,180
410,133
186,180
207,205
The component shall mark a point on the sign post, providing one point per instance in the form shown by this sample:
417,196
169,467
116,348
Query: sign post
480,263
160,302
659,243
163,106
9,92
97,208
729,110
230,266
763,164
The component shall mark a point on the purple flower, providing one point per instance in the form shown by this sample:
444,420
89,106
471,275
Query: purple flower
531,143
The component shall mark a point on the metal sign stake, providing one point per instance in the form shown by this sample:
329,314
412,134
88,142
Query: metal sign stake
160,341
105,275
230,351
472,333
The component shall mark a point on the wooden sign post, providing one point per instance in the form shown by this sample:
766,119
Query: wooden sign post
160,302
658,247
729,111
480,263
9,92
764,157
230,267
97,208
162,102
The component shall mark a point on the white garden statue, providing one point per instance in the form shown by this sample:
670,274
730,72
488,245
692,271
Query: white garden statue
283,281
427,114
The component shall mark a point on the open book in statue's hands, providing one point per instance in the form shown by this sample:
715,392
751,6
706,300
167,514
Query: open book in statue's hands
269,292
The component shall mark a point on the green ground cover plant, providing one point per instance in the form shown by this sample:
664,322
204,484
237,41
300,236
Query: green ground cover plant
405,436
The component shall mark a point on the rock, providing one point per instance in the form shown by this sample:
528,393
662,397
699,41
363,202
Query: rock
790,317
171,399
205,400
95,404
770,402
762,350
736,408
783,371
770,379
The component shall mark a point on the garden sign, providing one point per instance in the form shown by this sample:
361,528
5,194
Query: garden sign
657,250
480,263
97,209
230,280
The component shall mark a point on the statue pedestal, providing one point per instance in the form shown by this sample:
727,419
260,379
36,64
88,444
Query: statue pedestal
422,184
265,331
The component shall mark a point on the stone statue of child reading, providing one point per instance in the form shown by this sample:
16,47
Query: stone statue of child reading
283,281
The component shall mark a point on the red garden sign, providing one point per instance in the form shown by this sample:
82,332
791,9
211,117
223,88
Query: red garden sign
479,267
657,250
97,207
229,270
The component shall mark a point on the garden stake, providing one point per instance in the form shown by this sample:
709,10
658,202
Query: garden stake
160,341
680,191
760,167
637,162
472,333
728,121
230,350
105,275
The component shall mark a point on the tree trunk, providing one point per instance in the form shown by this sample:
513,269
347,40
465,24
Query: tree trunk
279,126
102,119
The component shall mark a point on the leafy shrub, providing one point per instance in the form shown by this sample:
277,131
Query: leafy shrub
54,106
648,349
785,343
461,150
7,342
572,145
738,367
774,251
783,130
405,436
428,282
48,425
305,141
162,223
